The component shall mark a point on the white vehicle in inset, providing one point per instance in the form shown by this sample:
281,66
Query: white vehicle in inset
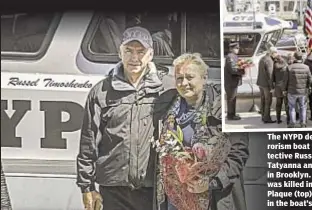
255,34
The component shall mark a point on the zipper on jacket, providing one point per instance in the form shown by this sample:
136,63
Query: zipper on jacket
138,140
131,113
136,144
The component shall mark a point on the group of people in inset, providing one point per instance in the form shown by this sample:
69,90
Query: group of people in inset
289,79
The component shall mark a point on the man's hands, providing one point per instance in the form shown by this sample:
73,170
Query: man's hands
91,200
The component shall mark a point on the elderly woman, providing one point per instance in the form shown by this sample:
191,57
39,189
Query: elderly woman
200,167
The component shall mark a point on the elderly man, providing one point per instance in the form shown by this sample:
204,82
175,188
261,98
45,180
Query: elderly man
297,82
117,128
232,79
265,83
196,111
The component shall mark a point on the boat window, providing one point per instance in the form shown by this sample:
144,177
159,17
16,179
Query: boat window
248,43
269,39
268,3
304,5
286,41
104,35
202,34
289,6
27,36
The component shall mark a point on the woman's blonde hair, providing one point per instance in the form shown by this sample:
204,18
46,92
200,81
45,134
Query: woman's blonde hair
191,58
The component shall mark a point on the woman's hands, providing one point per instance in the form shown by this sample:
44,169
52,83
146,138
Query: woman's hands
92,200
199,184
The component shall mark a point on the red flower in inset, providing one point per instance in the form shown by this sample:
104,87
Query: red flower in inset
243,64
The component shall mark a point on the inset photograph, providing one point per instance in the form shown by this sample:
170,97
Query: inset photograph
267,66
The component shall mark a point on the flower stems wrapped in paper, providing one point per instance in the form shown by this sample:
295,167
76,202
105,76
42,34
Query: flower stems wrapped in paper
183,164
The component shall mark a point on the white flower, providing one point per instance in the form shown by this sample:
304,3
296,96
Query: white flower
163,149
171,142
157,143
162,154
177,148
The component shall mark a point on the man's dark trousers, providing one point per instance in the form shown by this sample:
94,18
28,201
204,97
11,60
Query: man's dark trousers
266,102
231,94
279,105
124,198
310,104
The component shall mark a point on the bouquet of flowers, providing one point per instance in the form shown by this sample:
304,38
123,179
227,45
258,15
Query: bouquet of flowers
244,63
182,164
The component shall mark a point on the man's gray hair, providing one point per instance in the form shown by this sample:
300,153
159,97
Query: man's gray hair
272,50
